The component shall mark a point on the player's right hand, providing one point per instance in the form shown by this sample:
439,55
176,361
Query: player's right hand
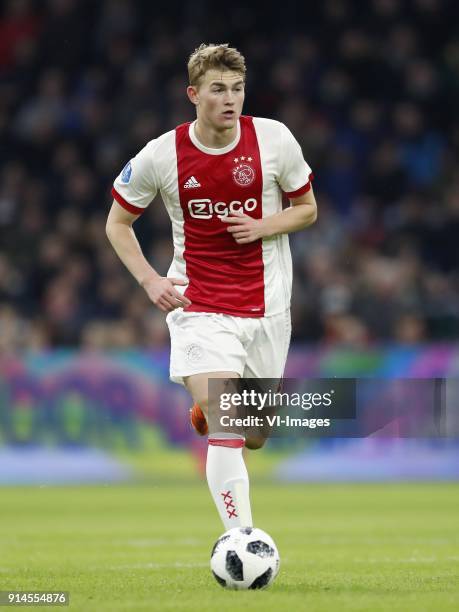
163,294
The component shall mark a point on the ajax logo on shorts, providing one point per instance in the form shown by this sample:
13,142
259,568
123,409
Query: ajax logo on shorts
205,209
194,352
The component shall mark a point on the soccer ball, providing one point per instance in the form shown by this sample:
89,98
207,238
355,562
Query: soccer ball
244,558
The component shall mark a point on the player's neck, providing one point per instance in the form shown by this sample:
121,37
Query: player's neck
212,138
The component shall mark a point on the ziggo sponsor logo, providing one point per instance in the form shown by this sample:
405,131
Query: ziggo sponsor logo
206,209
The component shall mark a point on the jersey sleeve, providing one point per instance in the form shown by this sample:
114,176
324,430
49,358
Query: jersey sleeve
136,185
295,175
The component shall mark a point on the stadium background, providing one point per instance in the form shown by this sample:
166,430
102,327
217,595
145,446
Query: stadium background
370,90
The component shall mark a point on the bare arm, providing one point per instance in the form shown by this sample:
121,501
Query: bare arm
160,290
301,214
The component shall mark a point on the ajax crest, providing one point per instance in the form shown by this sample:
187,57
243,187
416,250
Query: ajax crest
194,353
243,173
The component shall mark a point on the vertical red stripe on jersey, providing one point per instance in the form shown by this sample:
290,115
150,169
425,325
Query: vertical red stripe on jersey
224,277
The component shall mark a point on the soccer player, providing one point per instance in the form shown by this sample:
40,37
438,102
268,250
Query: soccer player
227,292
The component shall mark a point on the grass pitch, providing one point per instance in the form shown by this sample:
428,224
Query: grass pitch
146,547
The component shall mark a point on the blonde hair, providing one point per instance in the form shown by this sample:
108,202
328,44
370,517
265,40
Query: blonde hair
208,57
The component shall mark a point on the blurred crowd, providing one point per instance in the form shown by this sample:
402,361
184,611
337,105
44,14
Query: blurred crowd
370,90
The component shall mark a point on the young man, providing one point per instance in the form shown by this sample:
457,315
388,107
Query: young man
228,289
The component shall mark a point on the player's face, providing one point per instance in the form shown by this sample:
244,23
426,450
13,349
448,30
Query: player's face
219,98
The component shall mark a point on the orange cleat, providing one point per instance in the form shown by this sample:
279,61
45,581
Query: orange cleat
198,420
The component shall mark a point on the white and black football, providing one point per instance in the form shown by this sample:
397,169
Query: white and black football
244,558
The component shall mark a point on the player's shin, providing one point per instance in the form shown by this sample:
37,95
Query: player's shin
228,479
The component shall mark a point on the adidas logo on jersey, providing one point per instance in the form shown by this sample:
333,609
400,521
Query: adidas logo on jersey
191,183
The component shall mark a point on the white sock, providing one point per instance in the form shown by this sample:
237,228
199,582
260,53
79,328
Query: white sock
229,481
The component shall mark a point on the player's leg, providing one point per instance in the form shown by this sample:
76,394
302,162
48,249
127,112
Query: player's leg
266,359
204,345
198,387
199,343
225,468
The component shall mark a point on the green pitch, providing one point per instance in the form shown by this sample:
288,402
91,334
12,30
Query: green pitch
143,548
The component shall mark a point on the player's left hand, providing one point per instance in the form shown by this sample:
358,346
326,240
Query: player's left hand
244,228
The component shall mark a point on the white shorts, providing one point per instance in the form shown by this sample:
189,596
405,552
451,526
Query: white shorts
208,342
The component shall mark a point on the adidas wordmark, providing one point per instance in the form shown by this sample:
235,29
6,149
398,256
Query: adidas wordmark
191,183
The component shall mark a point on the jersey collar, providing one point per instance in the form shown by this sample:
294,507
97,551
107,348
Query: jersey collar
222,150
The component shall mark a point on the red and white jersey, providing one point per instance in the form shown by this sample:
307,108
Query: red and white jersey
200,186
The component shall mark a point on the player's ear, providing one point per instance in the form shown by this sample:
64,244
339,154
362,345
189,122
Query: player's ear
192,93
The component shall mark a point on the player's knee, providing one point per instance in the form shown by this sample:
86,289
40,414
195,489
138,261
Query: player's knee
254,442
